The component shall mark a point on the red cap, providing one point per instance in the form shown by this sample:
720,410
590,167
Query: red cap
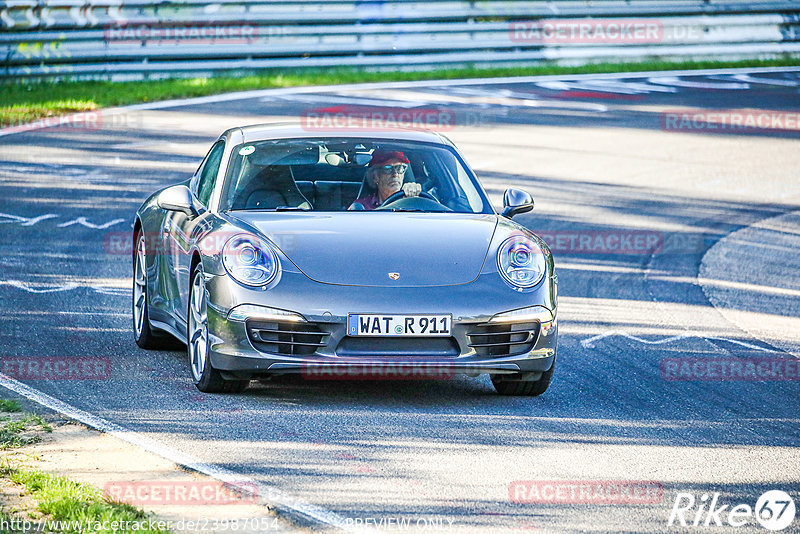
380,156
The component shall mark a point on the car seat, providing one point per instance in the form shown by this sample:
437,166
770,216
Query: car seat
274,187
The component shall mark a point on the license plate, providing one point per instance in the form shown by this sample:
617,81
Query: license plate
363,324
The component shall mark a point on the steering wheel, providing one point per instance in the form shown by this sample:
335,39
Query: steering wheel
394,197
423,202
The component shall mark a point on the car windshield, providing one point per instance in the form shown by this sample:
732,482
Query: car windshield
339,174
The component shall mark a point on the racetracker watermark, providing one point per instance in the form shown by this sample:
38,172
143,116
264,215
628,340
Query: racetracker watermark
621,241
729,369
378,371
386,118
56,367
182,493
604,242
729,120
121,243
376,118
84,121
585,492
587,31
193,33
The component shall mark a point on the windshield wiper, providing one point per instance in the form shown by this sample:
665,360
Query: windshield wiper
290,208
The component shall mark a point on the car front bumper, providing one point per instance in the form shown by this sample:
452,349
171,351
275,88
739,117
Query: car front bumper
317,345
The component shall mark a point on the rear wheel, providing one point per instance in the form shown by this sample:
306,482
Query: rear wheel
146,338
205,377
517,384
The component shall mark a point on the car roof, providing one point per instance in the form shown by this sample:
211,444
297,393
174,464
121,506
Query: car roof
293,130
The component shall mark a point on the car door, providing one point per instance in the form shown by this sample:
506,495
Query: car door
185,231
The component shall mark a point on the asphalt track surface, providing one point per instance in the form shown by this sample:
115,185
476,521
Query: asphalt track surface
601,159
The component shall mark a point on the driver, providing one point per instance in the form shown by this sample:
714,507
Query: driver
385,172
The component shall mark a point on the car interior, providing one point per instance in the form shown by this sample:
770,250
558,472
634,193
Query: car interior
329,177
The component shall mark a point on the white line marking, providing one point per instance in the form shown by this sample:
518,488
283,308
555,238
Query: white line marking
764,81
242,95
84,222
118,291
636,87
30,289
589,342
93,313
69,286
674,81
268,494
607,86
27,221
508,98
332,100
744,286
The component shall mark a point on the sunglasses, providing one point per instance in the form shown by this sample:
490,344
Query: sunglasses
400,168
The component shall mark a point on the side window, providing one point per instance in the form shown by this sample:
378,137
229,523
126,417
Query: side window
208,174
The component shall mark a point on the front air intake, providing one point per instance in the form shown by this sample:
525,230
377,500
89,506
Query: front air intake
286,338
497,340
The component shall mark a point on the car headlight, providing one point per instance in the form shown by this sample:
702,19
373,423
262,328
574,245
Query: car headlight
250,260
521,262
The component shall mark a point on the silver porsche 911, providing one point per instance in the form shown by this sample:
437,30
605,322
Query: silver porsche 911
359,255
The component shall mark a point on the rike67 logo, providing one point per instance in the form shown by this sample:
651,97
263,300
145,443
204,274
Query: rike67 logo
774,510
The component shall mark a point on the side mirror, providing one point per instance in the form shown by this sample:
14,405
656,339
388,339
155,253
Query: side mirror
516,201
178,198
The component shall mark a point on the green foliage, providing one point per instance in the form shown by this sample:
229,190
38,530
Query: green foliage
78,507
13,432
70,502
10,405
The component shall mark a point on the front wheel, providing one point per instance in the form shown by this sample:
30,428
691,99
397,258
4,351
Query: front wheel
143,332
517,384
205,377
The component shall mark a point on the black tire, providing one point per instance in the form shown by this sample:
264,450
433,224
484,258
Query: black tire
214,383
516,385
210,380
146,337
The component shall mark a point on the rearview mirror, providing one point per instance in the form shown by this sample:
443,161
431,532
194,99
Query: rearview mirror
178,198
516,201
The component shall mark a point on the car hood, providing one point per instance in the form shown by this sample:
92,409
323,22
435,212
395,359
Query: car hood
362,249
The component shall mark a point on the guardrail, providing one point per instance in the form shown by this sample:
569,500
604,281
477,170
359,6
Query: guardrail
123,39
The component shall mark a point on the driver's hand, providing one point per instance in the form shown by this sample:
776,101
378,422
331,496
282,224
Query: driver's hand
412,189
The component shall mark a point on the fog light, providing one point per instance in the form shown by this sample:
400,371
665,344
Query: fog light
263,313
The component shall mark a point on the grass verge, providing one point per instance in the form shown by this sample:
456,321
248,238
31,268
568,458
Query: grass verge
10,405
22,430
24,102
72,507
61,505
